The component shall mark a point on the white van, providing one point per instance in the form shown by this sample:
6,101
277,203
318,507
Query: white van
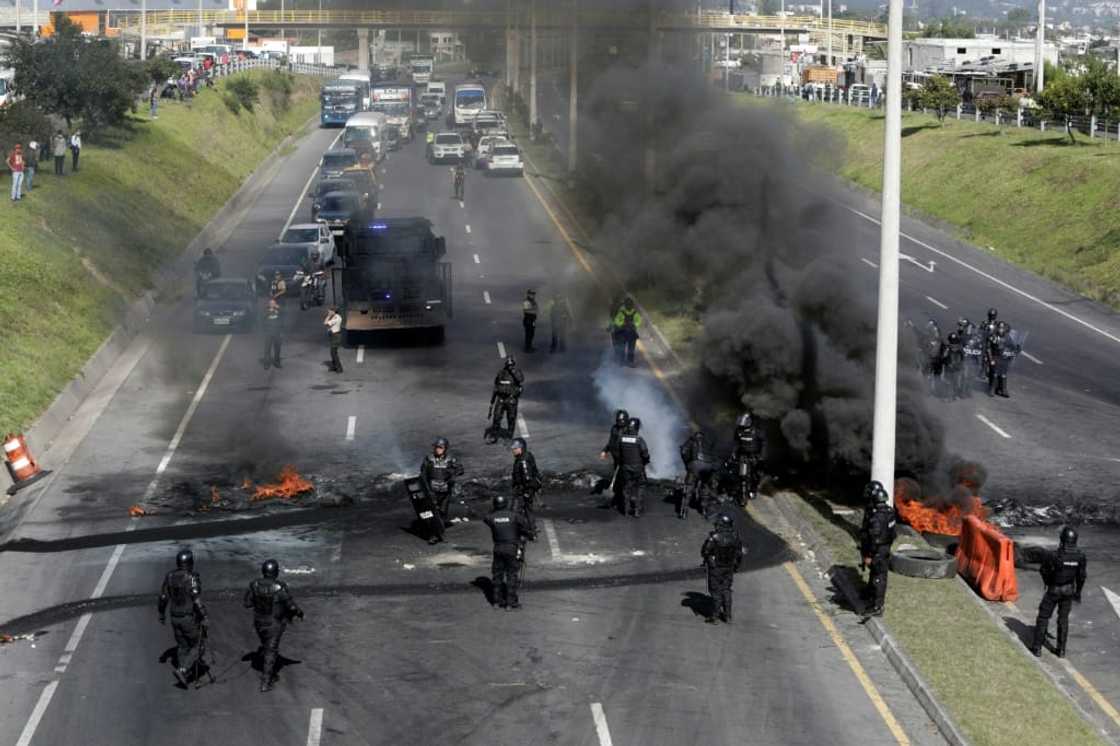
438,88
368,125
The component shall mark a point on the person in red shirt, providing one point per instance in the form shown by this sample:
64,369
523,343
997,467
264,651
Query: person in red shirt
16,164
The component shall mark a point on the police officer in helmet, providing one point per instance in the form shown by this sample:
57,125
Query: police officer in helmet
182,592
632,456
610,450
700,467
509,528
508,385
722,553
746,459
526,479
1063,571
876,536
438,473
273,607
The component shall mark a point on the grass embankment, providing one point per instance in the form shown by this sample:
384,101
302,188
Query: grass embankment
77,249
1038,200
993,691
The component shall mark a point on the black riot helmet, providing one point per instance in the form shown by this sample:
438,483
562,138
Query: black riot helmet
184,560
500,502
724,521
270,569
963,323
628,303
441,442
992,314
745,421
511,363
1068,538
1003,327
874,492
208,252
621,417
518,443
634,425
954,337
699,436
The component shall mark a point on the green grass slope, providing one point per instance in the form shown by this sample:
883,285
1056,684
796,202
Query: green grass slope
77,249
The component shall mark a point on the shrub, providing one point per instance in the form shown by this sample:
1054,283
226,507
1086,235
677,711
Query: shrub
22,122
244,90
231,102
279,86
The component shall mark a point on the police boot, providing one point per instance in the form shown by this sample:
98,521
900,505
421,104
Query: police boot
1001,387
1060,650
991,385
181,675
267,683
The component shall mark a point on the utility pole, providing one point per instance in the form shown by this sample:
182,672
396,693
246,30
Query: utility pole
201,28
143,27
245,39
1039,44
886,333
573,91
532,67
830,61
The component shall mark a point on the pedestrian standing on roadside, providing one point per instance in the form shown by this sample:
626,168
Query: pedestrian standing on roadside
30,163
333,322
153,101
16,164
75,149
58,150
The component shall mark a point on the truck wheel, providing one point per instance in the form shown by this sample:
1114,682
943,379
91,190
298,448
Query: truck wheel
923,563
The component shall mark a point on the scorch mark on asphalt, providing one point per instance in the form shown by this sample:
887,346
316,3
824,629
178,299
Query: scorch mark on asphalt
999,431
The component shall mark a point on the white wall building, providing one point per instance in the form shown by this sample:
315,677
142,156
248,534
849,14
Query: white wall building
922,54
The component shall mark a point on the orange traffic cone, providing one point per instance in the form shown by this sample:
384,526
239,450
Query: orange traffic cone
22,467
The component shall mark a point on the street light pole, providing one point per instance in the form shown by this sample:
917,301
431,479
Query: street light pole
1039,43
830,62
532,68
573,91
245,40
886,335
319,36
143,28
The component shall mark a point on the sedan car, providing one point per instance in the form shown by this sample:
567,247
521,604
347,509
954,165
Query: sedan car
486,144
226,304
312,237
287,259
336,161
505,158
337,208
325,187
447,146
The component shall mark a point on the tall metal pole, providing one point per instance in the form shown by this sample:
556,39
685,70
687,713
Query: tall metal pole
201,27
573,90
245,40
509,43
886,336
143,27
830,61
783,33
319,36
19,24
1039,43
532,65
35,17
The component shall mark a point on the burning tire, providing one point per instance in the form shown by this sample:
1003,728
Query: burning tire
923,563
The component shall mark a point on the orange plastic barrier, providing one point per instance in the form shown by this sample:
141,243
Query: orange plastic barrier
986,559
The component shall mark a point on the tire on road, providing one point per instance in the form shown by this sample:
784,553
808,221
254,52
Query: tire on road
923,563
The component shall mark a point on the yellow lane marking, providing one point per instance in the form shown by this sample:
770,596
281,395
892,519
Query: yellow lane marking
849,656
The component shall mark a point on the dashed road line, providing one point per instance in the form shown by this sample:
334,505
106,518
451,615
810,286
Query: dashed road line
351,426
601,728
553,541
468,228
37,714
462,205
361,354
522,428
477,260
937,303
501,350
315,727
1030,357
999,431
869,263
486,296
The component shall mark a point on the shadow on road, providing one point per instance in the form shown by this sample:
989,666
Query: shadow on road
701,604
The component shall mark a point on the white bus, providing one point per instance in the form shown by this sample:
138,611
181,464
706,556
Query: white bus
470,98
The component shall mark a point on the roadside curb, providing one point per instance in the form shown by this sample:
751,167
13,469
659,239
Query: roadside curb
890,647
173,276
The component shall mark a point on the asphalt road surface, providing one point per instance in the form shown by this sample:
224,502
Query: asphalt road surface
400,645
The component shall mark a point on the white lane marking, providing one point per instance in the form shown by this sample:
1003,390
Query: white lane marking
361,354
601,728
1113,600
37,715
999,431
378,205
462,205
937,303
79,630
501,350
869,263
315,727
553,541
916,263
109,568
486,296
522,427
993,278
1030,357
303,193
351,425
178,437
477,260
468,229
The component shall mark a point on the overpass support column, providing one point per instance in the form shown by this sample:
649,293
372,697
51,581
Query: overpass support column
363,50
573,91
532,67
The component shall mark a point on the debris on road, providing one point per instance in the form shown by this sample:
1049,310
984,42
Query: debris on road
136,511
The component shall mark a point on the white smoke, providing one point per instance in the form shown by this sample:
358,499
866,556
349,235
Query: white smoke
663,427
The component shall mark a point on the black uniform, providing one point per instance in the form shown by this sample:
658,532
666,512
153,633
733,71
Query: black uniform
273,336
526,480
273,608
182,592
1001,351
722,553
509,529
700,467
952,363
529,311
987,330
508,385
616,473
876,536
438,474
746,462
1063,571
632,457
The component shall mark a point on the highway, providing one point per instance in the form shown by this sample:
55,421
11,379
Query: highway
399,645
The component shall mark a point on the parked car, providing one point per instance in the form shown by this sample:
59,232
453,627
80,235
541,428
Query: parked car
334,162
312,237
505,158
486,144
226,304
336,209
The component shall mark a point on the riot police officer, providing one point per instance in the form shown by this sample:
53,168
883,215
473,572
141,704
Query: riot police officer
1002,349
621,419
746,458
632,456
700,467
273,607
509,529
952,363
876,536
986,331
508,385
182,591
438,473
526,479
529,311
1064,573
722,553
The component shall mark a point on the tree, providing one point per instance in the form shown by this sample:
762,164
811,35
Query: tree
939,94
73,77
160,69
1065,98
949,28
1086,87
1017,19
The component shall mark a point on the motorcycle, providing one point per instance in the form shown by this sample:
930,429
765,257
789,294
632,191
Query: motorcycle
312,288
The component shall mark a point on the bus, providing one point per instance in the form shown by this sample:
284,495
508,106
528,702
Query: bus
395,101
338,102
362,81
421,69
469,99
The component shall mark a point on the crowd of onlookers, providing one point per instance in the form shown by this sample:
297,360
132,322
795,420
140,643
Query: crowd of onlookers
25,163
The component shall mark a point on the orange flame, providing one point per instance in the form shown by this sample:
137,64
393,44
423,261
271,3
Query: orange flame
136,511
290,485
946,521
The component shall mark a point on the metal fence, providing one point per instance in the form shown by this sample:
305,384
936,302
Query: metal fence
299,68
1018,118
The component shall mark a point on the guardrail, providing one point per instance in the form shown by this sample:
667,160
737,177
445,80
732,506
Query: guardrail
1019,118
299,68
